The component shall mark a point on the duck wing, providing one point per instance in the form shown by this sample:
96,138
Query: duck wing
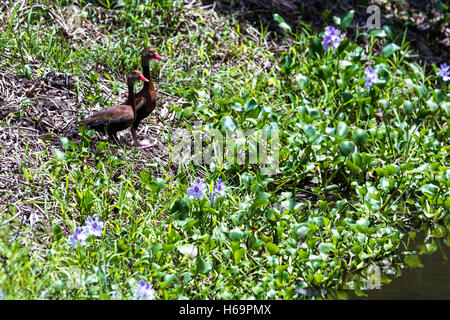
118,115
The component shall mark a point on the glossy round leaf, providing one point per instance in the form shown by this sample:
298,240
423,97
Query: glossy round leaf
347,148
359,136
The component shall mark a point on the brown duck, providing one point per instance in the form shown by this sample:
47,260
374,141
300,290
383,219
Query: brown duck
119,117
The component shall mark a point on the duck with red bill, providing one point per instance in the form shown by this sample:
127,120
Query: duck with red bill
119,117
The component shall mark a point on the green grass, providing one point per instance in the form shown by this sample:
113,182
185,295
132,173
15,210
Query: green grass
326,216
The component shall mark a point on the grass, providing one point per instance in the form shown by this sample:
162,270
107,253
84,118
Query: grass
318,224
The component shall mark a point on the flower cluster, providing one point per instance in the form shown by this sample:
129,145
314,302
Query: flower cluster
371,77
444,72
199,190
81,234
144,291
331,38
218,191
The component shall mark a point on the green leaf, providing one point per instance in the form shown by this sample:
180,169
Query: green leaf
59,155
309,130
285,26
318,278
203,266
377,33
180,207
413,261
446,107
337,20
341,129
218,91
347,148
236,106
261,200
325,247
316,48
429,189
250,105
247,179
326,71
236,234
389,49
272,248
157,184
343,45
281,23
302,81
359,136
228,123
57,232
238,254
347,19
439,231
188,250
420,90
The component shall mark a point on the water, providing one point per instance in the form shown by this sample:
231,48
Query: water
431,281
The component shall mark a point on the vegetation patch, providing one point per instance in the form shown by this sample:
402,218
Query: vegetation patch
361,136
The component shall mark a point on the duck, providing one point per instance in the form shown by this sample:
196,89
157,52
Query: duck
118,117
146,98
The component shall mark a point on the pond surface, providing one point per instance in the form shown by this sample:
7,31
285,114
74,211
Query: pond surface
427,277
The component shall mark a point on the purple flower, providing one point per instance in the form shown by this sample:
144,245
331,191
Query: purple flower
331,38
105,267
444,72
218,191
197,189
79,236
370,78
144,291
219,187
94,227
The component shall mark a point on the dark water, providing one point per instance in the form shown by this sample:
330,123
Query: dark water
431,281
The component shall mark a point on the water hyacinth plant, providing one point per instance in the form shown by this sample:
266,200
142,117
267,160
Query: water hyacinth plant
144,291
79,237
197,190
331,38
370,77
351,183
218,190
92,227
444,72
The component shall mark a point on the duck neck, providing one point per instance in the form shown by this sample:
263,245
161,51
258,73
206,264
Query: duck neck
130,99
146,68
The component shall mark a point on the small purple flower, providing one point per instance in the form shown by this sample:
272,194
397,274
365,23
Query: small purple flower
218,191
144,291
370,78
219,187
79,236
105,267
444,72
331,38
94,227
197,189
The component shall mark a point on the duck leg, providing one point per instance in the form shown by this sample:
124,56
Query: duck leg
145,144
